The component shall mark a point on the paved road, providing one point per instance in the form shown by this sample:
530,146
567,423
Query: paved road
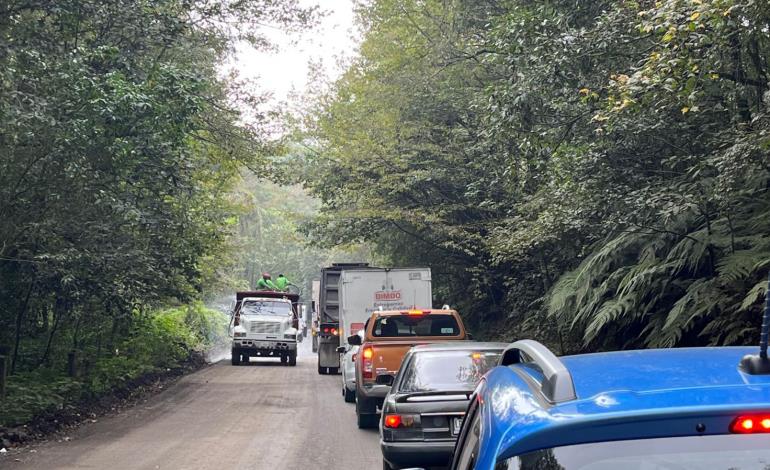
261,416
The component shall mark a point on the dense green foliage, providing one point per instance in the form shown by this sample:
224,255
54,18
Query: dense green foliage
590,173
155,343
120,147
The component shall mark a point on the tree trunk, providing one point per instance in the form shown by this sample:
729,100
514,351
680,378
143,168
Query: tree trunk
19,318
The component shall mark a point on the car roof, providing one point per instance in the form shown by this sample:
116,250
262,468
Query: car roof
458,346
656,369
623,395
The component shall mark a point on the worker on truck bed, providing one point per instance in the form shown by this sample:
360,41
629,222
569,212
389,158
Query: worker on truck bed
282,283
265,283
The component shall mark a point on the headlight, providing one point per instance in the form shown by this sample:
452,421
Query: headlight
292,336
239,335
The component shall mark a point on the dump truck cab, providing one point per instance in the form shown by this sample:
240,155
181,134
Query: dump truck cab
265,324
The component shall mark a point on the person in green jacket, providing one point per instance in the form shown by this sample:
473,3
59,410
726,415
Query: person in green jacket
266,283
282,283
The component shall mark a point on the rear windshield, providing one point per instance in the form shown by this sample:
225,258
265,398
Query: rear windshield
423,325
265,307
727,452
445,371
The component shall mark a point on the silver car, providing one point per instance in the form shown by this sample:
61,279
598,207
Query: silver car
348,366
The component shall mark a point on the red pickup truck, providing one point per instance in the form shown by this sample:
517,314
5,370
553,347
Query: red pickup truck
388,336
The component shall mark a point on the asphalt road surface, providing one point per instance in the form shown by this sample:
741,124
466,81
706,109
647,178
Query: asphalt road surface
260,416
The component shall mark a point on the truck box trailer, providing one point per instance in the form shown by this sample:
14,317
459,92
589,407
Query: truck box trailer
367,290
351,292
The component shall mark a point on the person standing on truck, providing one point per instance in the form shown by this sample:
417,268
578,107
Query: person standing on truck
282,283
266,283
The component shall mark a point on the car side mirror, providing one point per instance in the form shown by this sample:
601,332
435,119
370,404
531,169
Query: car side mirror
354,340
341,350
384,379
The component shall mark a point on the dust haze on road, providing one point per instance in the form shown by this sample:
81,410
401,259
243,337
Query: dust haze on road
260,416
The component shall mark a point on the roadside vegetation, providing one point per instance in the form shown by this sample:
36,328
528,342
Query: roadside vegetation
121,149
590,174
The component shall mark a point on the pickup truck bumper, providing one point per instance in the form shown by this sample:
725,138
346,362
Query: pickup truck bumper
372,390
259,345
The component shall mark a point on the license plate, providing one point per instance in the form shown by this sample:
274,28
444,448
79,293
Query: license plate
457,423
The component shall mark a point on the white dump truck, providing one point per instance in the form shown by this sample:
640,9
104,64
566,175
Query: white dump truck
265,324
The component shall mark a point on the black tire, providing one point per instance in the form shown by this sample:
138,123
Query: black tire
292,359
333,370
321,370
245,358
350,395
284,359
235,357
364,419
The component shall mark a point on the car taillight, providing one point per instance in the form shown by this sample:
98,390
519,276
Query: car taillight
367,370
398,421
753,424
334,331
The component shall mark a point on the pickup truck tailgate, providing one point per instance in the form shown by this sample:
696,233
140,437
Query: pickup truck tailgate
388,354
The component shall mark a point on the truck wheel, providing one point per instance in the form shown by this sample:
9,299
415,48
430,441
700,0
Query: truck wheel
350,395
364,420
321,370
245,358
293,359
333,371
283,359
235,357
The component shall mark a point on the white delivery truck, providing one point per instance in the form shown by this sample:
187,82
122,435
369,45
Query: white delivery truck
365,290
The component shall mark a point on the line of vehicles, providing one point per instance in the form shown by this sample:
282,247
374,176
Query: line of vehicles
441,399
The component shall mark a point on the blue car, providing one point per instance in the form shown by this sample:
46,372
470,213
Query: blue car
672,409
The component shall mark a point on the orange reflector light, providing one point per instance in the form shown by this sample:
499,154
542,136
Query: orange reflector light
751,424
476,356
392,421
368,353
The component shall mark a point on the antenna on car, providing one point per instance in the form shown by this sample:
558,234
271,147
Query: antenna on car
760,364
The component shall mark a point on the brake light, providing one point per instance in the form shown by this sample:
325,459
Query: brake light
326,329
367,365
415,312
399,421
334,331
751,424
392,421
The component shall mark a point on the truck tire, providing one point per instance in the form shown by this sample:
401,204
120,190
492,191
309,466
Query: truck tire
284,359
293,359
364,418
334,371
245,358
235,357
350,395
321,370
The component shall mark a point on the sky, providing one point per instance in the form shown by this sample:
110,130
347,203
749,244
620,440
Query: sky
285,71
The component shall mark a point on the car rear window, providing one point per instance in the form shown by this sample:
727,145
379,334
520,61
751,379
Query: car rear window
422,325
727,452
446,371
